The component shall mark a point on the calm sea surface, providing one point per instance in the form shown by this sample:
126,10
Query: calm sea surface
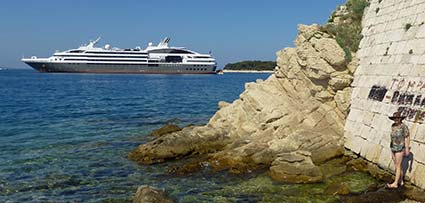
65,137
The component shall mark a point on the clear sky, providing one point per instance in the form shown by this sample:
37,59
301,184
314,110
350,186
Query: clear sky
233,30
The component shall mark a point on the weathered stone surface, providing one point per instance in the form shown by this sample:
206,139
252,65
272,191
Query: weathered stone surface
330,51
222,104
146,194
173,145
295,167
314,67
343,100
307,31
169,128
340,81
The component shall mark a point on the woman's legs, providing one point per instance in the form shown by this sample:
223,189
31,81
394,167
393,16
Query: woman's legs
397,157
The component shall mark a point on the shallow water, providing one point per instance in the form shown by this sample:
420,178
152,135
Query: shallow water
65,138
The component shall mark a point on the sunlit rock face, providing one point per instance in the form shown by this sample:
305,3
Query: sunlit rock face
298,113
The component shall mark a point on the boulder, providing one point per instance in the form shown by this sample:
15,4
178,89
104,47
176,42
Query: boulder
330,51
146,194
295,167
340,81
308,31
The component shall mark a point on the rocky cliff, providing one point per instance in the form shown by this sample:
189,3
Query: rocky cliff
287,124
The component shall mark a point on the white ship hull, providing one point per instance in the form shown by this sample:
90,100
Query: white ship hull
159,68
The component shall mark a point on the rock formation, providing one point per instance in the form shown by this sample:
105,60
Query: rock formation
295,117
146,194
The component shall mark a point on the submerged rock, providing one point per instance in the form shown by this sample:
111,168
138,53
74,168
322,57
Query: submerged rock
337,189
146,194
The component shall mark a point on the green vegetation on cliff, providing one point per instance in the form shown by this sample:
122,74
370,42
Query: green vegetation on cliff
346,26
251,65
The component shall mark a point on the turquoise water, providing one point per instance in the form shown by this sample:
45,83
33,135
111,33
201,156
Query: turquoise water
65,137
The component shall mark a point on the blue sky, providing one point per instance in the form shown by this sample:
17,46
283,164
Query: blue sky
233,30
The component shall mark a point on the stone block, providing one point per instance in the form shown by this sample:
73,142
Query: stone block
379,122
354,115
420,8
356,104
355,92
375,136
385,158
363,92
354,143
420,33
419,46
415,59
418,177
371,151
367,118
399,47
350,127
418,151
385,139
419,134
365,132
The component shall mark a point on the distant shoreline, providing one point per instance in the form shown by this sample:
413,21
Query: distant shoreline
248,71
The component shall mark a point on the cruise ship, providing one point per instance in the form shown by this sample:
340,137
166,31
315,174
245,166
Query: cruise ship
154,59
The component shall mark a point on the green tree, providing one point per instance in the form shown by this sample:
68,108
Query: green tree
251,65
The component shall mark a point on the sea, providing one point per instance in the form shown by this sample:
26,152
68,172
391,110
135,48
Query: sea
66,137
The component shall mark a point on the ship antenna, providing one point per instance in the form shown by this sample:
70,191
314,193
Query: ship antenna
92,43
95,41
164,42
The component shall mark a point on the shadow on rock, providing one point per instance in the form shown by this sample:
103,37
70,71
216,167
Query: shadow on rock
381,195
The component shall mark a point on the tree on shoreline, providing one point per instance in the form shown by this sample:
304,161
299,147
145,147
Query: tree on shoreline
251,65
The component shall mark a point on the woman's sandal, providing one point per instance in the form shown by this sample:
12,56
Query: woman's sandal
390,187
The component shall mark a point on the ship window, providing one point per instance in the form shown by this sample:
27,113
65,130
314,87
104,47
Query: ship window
173,59
170,51
76,51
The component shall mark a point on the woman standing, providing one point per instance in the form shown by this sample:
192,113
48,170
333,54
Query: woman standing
400,145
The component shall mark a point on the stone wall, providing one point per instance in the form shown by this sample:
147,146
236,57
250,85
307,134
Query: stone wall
391,77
